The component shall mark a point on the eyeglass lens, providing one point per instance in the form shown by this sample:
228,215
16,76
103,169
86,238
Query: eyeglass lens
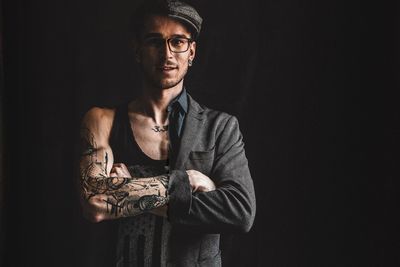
175,44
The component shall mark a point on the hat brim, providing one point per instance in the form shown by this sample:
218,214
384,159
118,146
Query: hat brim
195,28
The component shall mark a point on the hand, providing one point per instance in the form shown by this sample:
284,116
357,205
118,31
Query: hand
120,170
200,182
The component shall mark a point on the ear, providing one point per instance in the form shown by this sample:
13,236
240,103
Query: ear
192,50
136,50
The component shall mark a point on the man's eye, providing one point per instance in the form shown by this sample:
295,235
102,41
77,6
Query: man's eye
177,42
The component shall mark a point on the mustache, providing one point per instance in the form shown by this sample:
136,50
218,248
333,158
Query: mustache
168,64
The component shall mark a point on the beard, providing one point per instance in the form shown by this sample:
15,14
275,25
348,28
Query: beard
160,82
163,83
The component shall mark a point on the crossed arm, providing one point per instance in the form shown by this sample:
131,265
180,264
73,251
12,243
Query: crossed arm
108,195
108,190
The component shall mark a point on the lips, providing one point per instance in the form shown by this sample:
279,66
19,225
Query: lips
166,68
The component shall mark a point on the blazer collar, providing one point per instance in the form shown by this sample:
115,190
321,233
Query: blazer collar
193,122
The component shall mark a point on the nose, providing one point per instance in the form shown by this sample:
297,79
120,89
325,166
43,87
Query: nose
165,51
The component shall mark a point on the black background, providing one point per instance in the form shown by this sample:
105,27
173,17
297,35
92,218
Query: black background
313,84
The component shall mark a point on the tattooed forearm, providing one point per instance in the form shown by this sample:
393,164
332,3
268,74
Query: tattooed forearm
132,205
117,196
128,196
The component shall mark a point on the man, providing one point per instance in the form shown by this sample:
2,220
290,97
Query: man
171,170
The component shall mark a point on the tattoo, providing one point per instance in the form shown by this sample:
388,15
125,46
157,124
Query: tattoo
134,201
147,203
122,196
159,129
112,207
106,162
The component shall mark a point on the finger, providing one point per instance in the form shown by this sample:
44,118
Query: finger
120,172
124,168
114,169
194,189
120,164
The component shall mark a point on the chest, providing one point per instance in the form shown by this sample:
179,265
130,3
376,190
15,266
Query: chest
152,139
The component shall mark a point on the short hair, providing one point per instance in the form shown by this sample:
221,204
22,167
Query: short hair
178,10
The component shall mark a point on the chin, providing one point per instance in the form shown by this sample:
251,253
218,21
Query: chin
166,84
169,85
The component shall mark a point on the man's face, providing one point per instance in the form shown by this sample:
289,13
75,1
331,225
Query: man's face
162,67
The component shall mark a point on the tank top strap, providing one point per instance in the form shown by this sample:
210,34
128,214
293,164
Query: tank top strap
119,136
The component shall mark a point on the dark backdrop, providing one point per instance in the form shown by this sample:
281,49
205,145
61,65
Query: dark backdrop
312,82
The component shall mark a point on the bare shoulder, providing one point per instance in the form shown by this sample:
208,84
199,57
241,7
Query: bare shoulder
98,116
99,121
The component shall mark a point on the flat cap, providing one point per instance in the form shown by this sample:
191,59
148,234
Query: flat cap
186,13
172,8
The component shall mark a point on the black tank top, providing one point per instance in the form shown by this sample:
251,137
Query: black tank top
127,151
142,239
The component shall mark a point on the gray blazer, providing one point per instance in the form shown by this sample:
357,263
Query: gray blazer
211,143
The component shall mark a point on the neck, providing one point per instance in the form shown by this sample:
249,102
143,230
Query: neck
153,102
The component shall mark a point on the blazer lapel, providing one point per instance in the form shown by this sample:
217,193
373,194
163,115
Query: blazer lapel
193,122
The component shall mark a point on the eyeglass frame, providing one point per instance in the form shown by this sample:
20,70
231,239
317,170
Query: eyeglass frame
189,41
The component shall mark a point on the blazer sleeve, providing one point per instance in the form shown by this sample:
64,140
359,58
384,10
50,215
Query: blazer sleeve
229,208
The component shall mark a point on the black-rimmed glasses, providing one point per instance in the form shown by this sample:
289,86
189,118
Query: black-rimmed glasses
175,44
